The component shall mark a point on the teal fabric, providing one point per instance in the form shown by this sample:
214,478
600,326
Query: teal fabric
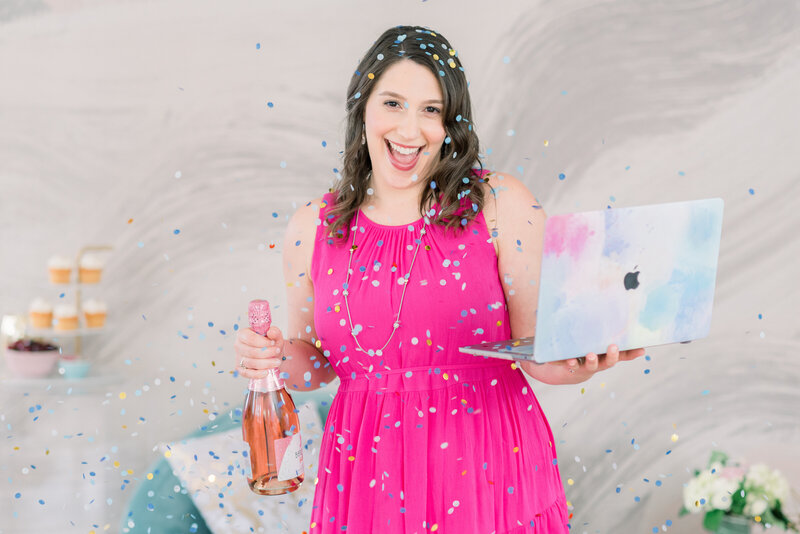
156,508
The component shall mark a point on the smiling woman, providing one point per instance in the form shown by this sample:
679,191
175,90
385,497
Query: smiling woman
409,128
420,437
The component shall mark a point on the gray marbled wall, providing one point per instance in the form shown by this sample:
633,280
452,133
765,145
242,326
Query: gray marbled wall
146,126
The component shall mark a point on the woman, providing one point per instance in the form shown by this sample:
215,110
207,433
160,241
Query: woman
387,276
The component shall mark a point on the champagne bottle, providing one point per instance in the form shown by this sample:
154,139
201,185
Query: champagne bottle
270,425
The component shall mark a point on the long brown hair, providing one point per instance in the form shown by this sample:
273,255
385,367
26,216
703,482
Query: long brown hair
455,175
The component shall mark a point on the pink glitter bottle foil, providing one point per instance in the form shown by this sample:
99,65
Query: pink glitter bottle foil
260,318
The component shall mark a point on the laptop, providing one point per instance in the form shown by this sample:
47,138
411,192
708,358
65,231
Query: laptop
636,277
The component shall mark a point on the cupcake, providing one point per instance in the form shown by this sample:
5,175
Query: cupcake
90,268
95,313
41,314
60,269
66,317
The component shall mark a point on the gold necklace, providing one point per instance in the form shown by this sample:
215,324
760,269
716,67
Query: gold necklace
346,292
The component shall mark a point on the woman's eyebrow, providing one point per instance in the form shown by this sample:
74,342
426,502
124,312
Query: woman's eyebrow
401,97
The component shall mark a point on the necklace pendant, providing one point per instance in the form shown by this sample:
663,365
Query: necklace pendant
396,325
379,352
345,292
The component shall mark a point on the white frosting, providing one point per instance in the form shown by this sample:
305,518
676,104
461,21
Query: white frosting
41,306
91,261
65,310
94,306
60,262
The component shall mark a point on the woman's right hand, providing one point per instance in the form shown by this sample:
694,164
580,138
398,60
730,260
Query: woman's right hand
255,354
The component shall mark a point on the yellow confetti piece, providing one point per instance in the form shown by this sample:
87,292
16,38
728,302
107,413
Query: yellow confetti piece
130,221
122,395
451,63
351,458
674,437
429,342
445,376
318,343
513,365
371,76
569,503
435,527
16,448
546,142
116,463
168,454
570,481
205,410
149,476
337,308
452,52
499,323
757,519
516,449
436,57
130,471
602,384
46,452
583,390
213,363
464,472
330,271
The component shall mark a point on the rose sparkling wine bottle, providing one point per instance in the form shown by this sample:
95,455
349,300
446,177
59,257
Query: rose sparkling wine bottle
270,425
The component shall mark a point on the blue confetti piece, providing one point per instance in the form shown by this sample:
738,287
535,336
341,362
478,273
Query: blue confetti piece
258,46
176,231
506,60
210,324
324,144
270,105
751,191
561,176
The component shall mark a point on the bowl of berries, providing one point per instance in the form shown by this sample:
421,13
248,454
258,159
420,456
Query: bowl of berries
31,358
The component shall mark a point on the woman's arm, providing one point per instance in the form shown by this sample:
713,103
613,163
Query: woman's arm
305,364
520,242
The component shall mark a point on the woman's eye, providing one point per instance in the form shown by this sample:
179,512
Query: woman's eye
433,109
392,104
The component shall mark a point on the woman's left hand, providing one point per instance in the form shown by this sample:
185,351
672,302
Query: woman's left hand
575,371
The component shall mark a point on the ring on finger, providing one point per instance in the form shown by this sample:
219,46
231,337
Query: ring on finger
241,364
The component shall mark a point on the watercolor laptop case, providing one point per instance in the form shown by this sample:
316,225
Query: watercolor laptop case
637,277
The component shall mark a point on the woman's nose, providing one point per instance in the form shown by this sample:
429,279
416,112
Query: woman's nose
408,127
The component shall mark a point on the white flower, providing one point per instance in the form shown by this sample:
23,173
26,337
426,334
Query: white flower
760,479
755,505
708,491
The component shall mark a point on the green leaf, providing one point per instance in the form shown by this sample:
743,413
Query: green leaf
738,501
717,456
684,511
712,520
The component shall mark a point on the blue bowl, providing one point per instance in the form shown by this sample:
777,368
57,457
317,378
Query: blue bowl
72,369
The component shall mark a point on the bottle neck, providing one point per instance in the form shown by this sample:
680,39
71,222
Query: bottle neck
271,382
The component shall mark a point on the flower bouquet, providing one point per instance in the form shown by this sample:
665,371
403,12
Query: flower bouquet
731,496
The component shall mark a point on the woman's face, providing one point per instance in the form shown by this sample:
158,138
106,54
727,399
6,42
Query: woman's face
404,124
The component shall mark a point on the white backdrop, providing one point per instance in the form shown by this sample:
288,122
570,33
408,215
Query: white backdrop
146,125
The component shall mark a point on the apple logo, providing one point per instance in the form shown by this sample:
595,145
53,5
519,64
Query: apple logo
631,280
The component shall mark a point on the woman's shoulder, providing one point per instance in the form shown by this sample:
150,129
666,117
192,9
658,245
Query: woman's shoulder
504,191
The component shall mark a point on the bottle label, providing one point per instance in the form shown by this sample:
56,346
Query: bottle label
289,452
246,466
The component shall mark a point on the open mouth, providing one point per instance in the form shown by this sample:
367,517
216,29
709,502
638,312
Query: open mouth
402,157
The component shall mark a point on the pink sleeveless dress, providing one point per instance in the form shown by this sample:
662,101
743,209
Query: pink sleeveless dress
423,438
